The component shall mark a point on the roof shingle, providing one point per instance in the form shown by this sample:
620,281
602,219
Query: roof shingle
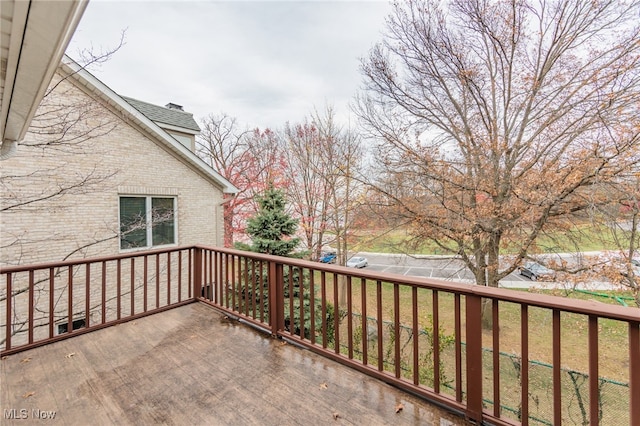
164,115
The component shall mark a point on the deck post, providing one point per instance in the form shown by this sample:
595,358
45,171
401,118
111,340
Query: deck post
197,272
474,357
276,298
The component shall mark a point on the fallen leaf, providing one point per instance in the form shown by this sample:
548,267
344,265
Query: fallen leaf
24,361
323,385
70,355
399,407
28,394
336,416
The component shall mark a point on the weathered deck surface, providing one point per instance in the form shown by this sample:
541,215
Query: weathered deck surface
190,366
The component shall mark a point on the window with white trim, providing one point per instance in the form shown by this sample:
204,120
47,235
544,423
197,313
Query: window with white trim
147,221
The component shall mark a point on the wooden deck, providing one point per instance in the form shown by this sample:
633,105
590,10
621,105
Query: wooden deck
191,366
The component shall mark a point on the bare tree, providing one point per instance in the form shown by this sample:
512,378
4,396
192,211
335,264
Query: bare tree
251,160
499,120
342,160
323,161
309,194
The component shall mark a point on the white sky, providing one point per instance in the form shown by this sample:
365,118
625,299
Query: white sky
263,62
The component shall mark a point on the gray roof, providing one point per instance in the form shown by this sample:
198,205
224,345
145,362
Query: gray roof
163,115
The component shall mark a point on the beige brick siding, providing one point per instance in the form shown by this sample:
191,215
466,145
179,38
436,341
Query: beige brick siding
119,159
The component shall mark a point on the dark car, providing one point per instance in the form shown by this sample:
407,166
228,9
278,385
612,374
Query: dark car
328,258
535,271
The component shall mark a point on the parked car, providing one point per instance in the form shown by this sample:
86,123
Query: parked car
329,257
357,262
535,271
635,267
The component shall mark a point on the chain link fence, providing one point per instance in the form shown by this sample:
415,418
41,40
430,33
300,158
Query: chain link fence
614,395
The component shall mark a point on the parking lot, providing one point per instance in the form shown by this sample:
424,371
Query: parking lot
446,268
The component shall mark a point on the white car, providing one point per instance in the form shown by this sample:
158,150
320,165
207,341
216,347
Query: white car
357,262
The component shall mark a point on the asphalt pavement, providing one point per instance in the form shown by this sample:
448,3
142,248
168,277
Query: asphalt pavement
453,269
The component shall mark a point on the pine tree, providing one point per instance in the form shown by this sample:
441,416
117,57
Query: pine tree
271,231
271,228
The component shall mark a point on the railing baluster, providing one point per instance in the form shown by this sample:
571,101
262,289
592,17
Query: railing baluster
634,372
336,314
594,397
219,284
262,298
31,302
524,363
557,382
168,278
118,289
254,290
87,296
247,303
496,357
349,319
458,346
291,299
133,285
157,281
379,320
436,341
145,278
323,290
312,306
104,291
51,298
473,326
365,325
191,266
396,328
233,282
180,276
301,301
226,282
70,301
8,302
416,335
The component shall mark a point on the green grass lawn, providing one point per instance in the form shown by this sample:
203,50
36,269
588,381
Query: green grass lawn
585,237
613,349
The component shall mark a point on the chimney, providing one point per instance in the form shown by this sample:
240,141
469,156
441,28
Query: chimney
174,106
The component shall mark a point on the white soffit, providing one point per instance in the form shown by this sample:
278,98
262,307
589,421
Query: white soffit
35,34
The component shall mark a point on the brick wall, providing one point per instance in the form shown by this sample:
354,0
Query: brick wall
81,155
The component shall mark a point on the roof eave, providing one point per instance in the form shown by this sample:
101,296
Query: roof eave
39,34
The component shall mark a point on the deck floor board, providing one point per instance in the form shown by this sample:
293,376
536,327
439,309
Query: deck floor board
191,366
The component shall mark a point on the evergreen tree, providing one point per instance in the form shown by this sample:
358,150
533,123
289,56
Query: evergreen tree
271,228
271,231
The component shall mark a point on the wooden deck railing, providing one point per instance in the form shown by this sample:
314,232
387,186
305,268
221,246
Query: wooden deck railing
493,355
43,303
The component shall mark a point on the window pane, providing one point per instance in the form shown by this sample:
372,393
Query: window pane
133,224
163,225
